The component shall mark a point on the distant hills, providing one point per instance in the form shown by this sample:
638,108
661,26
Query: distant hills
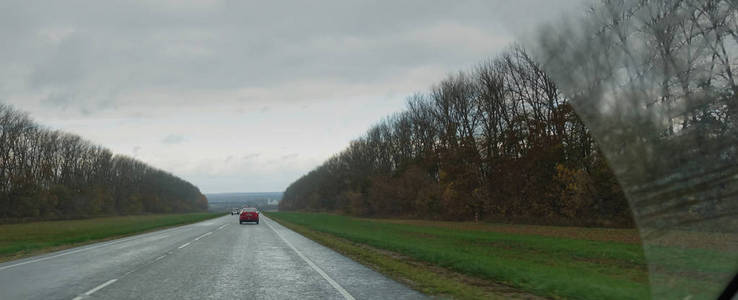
228,201
228,197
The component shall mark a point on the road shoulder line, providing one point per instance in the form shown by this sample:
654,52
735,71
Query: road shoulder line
315,267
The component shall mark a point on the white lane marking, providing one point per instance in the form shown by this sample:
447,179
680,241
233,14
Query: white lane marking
160,257
204,235
100,287
185,245
221,227
94,247
320,271
97,288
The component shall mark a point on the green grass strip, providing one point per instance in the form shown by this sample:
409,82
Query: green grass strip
421,277
545,266
25,239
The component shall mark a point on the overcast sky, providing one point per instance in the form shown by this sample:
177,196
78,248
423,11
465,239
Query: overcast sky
241,95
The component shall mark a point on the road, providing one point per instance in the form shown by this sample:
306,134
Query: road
214,259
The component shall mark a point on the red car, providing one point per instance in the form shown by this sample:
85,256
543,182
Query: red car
248,215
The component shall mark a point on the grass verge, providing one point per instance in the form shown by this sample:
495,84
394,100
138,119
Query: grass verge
421,276
26,239
480,260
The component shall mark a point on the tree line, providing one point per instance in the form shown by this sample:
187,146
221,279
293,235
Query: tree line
50,174
654,83
498,142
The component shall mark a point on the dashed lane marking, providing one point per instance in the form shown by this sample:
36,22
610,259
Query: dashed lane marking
204,235
97,288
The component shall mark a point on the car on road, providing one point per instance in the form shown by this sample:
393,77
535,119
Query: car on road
234,212
249,214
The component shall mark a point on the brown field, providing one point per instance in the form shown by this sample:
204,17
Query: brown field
630,236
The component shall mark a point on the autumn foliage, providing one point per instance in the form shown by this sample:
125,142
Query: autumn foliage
499,142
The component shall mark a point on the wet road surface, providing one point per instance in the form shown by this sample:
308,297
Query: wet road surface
214,259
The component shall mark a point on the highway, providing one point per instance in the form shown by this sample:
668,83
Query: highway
213,259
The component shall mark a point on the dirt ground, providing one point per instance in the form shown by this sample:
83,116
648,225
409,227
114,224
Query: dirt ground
629,236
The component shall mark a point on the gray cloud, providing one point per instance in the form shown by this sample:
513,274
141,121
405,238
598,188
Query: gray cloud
117,47
58,100
173,139
289,156
250,156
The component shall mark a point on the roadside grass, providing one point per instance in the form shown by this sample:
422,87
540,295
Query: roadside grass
25,239
551,265
422,277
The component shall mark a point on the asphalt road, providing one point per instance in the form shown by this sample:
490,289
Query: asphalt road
214,259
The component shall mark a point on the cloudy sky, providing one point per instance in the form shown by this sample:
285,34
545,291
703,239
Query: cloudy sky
241,95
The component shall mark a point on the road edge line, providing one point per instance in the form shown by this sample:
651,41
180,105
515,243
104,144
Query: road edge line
315,267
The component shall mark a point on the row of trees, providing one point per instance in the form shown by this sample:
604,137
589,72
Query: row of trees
498,142
654,81
47,174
